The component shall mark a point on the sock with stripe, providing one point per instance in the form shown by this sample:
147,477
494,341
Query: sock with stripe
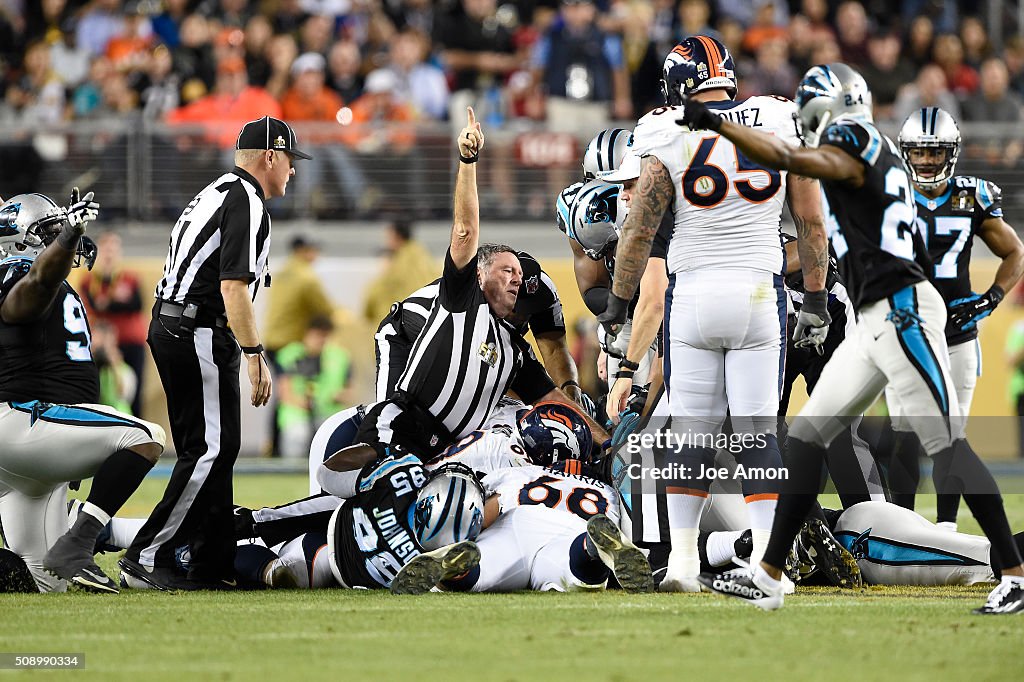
118,477
760,494
685,501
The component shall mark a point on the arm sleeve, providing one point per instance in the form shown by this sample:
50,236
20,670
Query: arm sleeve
459,289
532,381
551,319
659,248
990,198
241,219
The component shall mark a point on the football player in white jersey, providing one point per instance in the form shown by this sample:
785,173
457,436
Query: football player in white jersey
726,310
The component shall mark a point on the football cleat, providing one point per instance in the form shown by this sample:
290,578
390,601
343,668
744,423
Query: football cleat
833,560
139,577
1006,598
280,577
15,575
626,561
70,560
425,571
740,584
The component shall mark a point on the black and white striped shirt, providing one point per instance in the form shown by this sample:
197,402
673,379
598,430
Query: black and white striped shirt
224,233
538,308
465,359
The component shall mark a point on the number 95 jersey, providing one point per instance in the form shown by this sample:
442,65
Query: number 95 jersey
542,487
48,359
725,204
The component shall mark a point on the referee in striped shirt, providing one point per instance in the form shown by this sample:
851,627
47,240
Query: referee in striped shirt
216,263
466,357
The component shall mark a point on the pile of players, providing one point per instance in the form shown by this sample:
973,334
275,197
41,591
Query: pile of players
677,249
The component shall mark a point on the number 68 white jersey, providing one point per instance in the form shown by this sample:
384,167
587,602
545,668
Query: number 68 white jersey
727,208
537,486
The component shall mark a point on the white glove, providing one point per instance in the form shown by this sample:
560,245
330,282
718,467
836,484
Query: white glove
81,211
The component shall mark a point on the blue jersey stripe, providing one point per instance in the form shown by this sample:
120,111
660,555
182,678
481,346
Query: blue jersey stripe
69,414
883,551
913,340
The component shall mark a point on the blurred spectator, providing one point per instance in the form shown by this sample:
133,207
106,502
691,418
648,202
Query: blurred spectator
825,52
816,13
583,71
160,87
258,33
414,14
974,39
478,49
694,20
1015,360
801,39
763,28
69,62
113,296
927,90
296,298
50,16
732,35
118,383
313,382
995,104
87,97
281,54
942,14
310,100
948,53
1013,56
232,103
117,98
128,49
665,31
37,96
167,24
744,11
100,22
289,16
316,34
382,132
421,84
886,72
771,74
643,62
407,267
344,64
852,27
193,58
918,47
231,13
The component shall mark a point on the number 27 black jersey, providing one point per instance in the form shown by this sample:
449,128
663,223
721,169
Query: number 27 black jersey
871,227
948,224
48,359
371,535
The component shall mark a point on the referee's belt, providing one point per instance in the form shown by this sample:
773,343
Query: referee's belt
174,311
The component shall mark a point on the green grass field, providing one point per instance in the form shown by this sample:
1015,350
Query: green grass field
876,633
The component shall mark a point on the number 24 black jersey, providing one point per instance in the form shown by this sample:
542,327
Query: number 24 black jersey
871,227
948,224
48,359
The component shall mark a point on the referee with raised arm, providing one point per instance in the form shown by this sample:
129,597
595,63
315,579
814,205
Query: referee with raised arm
467,356
216,262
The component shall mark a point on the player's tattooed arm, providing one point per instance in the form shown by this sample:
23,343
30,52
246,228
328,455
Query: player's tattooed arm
652,196
812,240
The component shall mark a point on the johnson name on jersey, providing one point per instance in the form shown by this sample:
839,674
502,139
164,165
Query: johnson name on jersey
371,535
709,173
49,359
533,485
948,224
871,227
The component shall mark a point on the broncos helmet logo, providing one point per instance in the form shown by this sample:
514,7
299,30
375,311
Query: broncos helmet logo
9,220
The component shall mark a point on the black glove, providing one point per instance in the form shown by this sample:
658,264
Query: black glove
614,315
813,321
696,116
964,313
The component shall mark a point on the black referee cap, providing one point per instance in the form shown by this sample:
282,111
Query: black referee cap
269,133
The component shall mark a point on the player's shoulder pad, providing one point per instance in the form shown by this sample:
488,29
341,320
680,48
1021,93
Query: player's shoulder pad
857,138
988,196
655,128
11,271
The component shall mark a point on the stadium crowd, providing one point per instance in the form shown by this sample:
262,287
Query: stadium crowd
202,60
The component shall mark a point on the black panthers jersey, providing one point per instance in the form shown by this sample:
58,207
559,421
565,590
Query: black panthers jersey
373,535
49,359
871,227
948,224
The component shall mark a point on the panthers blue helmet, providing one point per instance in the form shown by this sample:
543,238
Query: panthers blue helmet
590,216
553,432
697,64
449,508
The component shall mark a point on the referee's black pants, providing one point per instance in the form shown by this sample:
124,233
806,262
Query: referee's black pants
199,372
